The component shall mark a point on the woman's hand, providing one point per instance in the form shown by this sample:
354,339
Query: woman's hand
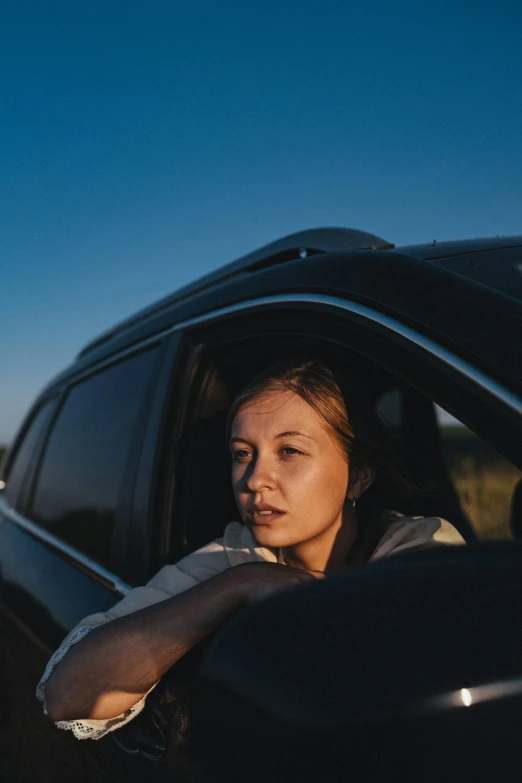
255,581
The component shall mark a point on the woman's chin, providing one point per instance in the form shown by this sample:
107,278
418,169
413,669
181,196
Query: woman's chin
267,535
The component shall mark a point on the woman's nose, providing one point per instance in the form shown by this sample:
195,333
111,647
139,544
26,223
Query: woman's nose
260,475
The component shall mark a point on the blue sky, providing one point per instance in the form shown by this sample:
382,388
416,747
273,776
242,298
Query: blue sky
144,144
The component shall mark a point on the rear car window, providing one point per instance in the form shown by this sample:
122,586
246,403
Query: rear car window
80,480
25,451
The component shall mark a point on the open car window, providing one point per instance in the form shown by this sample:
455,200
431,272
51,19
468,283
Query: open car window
487,484
226,362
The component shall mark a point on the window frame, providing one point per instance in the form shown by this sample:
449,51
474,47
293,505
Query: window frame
447,379
446,365
115,572
148,530
20,502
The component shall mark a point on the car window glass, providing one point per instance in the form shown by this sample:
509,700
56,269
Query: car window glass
25,451
484,480
78,487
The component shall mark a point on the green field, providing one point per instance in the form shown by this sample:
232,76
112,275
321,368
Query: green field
483,479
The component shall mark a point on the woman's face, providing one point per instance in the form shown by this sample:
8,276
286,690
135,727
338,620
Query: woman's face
289,474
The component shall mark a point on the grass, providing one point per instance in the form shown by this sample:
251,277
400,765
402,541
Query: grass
483,479
485,496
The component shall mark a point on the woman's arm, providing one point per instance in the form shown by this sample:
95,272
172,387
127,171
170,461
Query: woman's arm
116,664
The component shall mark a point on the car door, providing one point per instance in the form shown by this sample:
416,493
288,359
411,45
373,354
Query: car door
406,376
62,518
65,541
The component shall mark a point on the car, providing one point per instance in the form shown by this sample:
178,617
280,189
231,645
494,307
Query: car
120,467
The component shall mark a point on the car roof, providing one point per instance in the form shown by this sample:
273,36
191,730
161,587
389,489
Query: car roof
495,262
435,250
302,244
367,269
503,276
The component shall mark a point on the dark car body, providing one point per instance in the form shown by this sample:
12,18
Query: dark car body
120,466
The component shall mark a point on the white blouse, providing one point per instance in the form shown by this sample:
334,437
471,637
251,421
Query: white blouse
237,546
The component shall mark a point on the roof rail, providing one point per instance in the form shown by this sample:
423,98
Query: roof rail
311,242
299,245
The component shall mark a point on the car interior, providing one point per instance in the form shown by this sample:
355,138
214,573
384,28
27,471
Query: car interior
405,418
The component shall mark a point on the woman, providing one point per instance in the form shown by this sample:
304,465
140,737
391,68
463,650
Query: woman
303,478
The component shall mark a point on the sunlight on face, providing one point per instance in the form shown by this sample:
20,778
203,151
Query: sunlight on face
289,474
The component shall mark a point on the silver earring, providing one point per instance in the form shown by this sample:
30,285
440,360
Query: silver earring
353,502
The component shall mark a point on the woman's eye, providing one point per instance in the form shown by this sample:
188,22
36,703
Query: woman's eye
241,455
289,451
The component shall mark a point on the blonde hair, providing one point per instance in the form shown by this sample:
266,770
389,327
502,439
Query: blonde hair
311,380
360,435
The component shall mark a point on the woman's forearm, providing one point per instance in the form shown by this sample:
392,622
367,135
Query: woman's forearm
110,670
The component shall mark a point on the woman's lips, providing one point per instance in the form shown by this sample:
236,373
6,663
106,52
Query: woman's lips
265,517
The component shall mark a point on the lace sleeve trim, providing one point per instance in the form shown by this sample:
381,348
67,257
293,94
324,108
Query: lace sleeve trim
84,729
96,729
